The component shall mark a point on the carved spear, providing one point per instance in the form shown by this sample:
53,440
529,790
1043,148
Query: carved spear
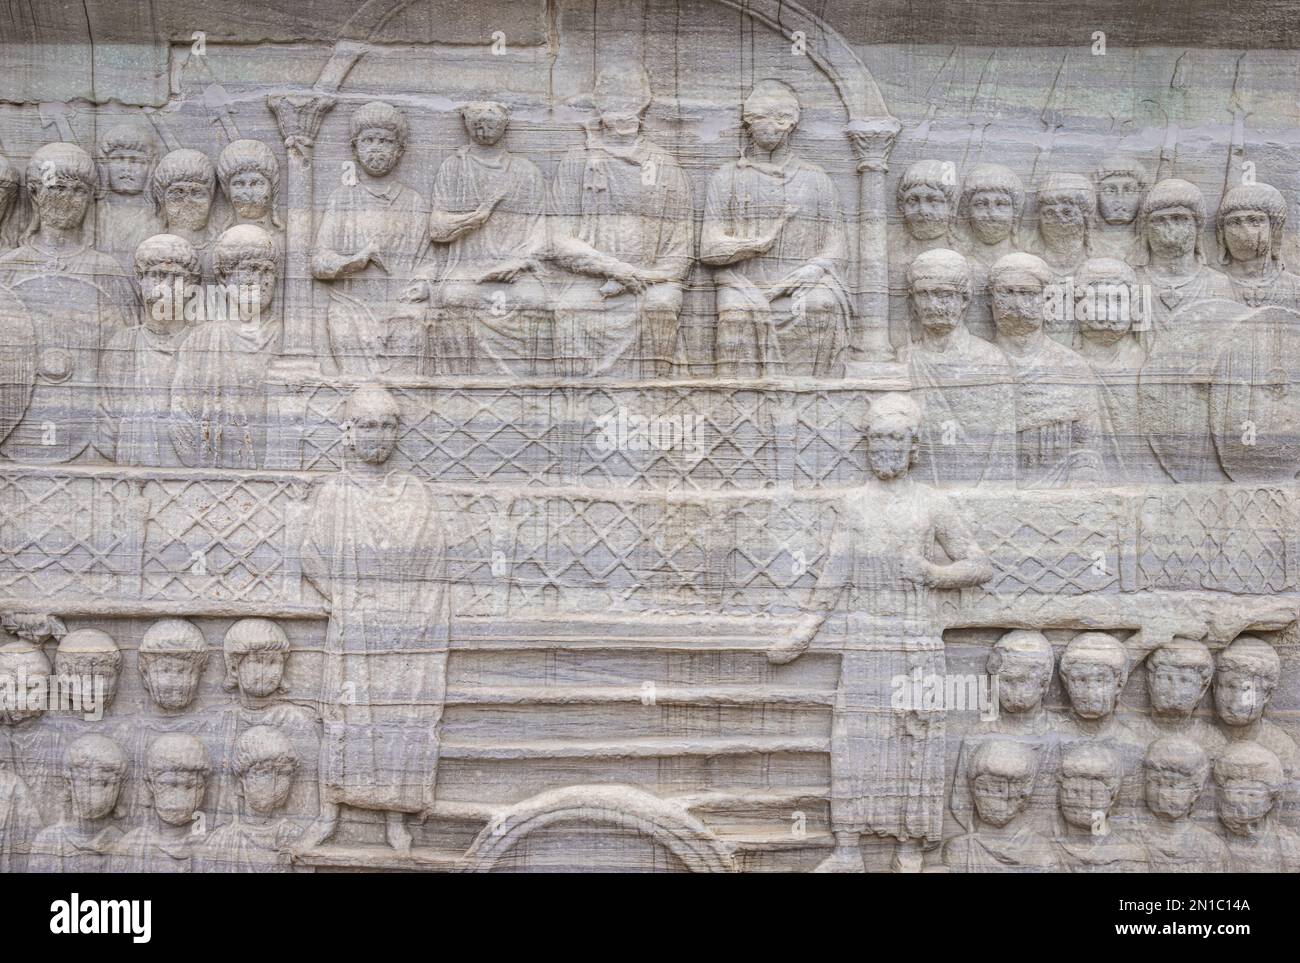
1052,117
933,102
1233,174
1176,108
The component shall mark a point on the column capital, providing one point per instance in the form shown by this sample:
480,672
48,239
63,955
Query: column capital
872,140
299,117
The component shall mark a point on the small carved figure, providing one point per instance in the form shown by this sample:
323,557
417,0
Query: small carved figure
373,534
1001,839
964,384
1065,208
1056,410
371,239
1120,184
249,174
1176,770
84,841
1250,783
992,201
774,231
874,593
1178,677
623,227
124,216
184,188
264,763
1089,840
176,769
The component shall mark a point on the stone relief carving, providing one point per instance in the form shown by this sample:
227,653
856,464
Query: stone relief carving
417,501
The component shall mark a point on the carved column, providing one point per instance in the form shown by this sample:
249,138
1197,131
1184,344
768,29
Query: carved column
299,117
872,141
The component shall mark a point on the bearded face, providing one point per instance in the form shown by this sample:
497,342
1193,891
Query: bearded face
1119,197
250,195
992,215
1248,235
127,171
1017,306
1171,794
1172,232
486,125
63,202
939,305
95,790
378,150
890,448
926,212
374,437
187,205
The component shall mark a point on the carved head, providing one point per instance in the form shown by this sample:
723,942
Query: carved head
1249,781
1247,674
34,627
1022,661
250,176
184,184
379,133
1016,285
1176,769
893,433
1094,668
1119,183
176,772
372,419
91,656
60,182
172,656
24,682
1001,775
770,114
159,261
939,289
265,763
127,151
1065,206
1250,222
927,193
1106,298
256,652
95,768
1089,782
248,259
623,95
485,121
992,197
1172,218
10,182
1178,676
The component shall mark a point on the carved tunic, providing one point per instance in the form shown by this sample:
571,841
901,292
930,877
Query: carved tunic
135,406
1057,422
65,848
19,822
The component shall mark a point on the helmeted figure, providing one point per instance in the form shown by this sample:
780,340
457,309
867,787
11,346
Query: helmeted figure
623,227
774,231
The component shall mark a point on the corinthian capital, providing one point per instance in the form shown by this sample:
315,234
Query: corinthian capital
299,117
872,140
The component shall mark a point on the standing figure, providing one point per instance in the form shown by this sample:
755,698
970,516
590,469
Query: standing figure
263,764
184,188
774,230
490,310
376,549
249,174
1176,770
1088,840
75,299
1057,406
992,201
623,227
83,841
1065,210
1120,185
1249,783
1249,232
176,769
370,241
876,592
139,364
963,383
1002,839
125,215
218,403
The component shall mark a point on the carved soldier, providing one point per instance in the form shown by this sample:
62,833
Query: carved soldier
77,297
263,762
489,210
1120,184
1022,662
1056,408
964,384
926,197
249,174
84,840
874,593
124,216
992,201
1176,770
623,227
10,185
1065,210
1089,840
218,404
774,230
1250,782
1249,232
139,364
1107,303
1002,839
176,769
371,239
1178,677
373,534
184,188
